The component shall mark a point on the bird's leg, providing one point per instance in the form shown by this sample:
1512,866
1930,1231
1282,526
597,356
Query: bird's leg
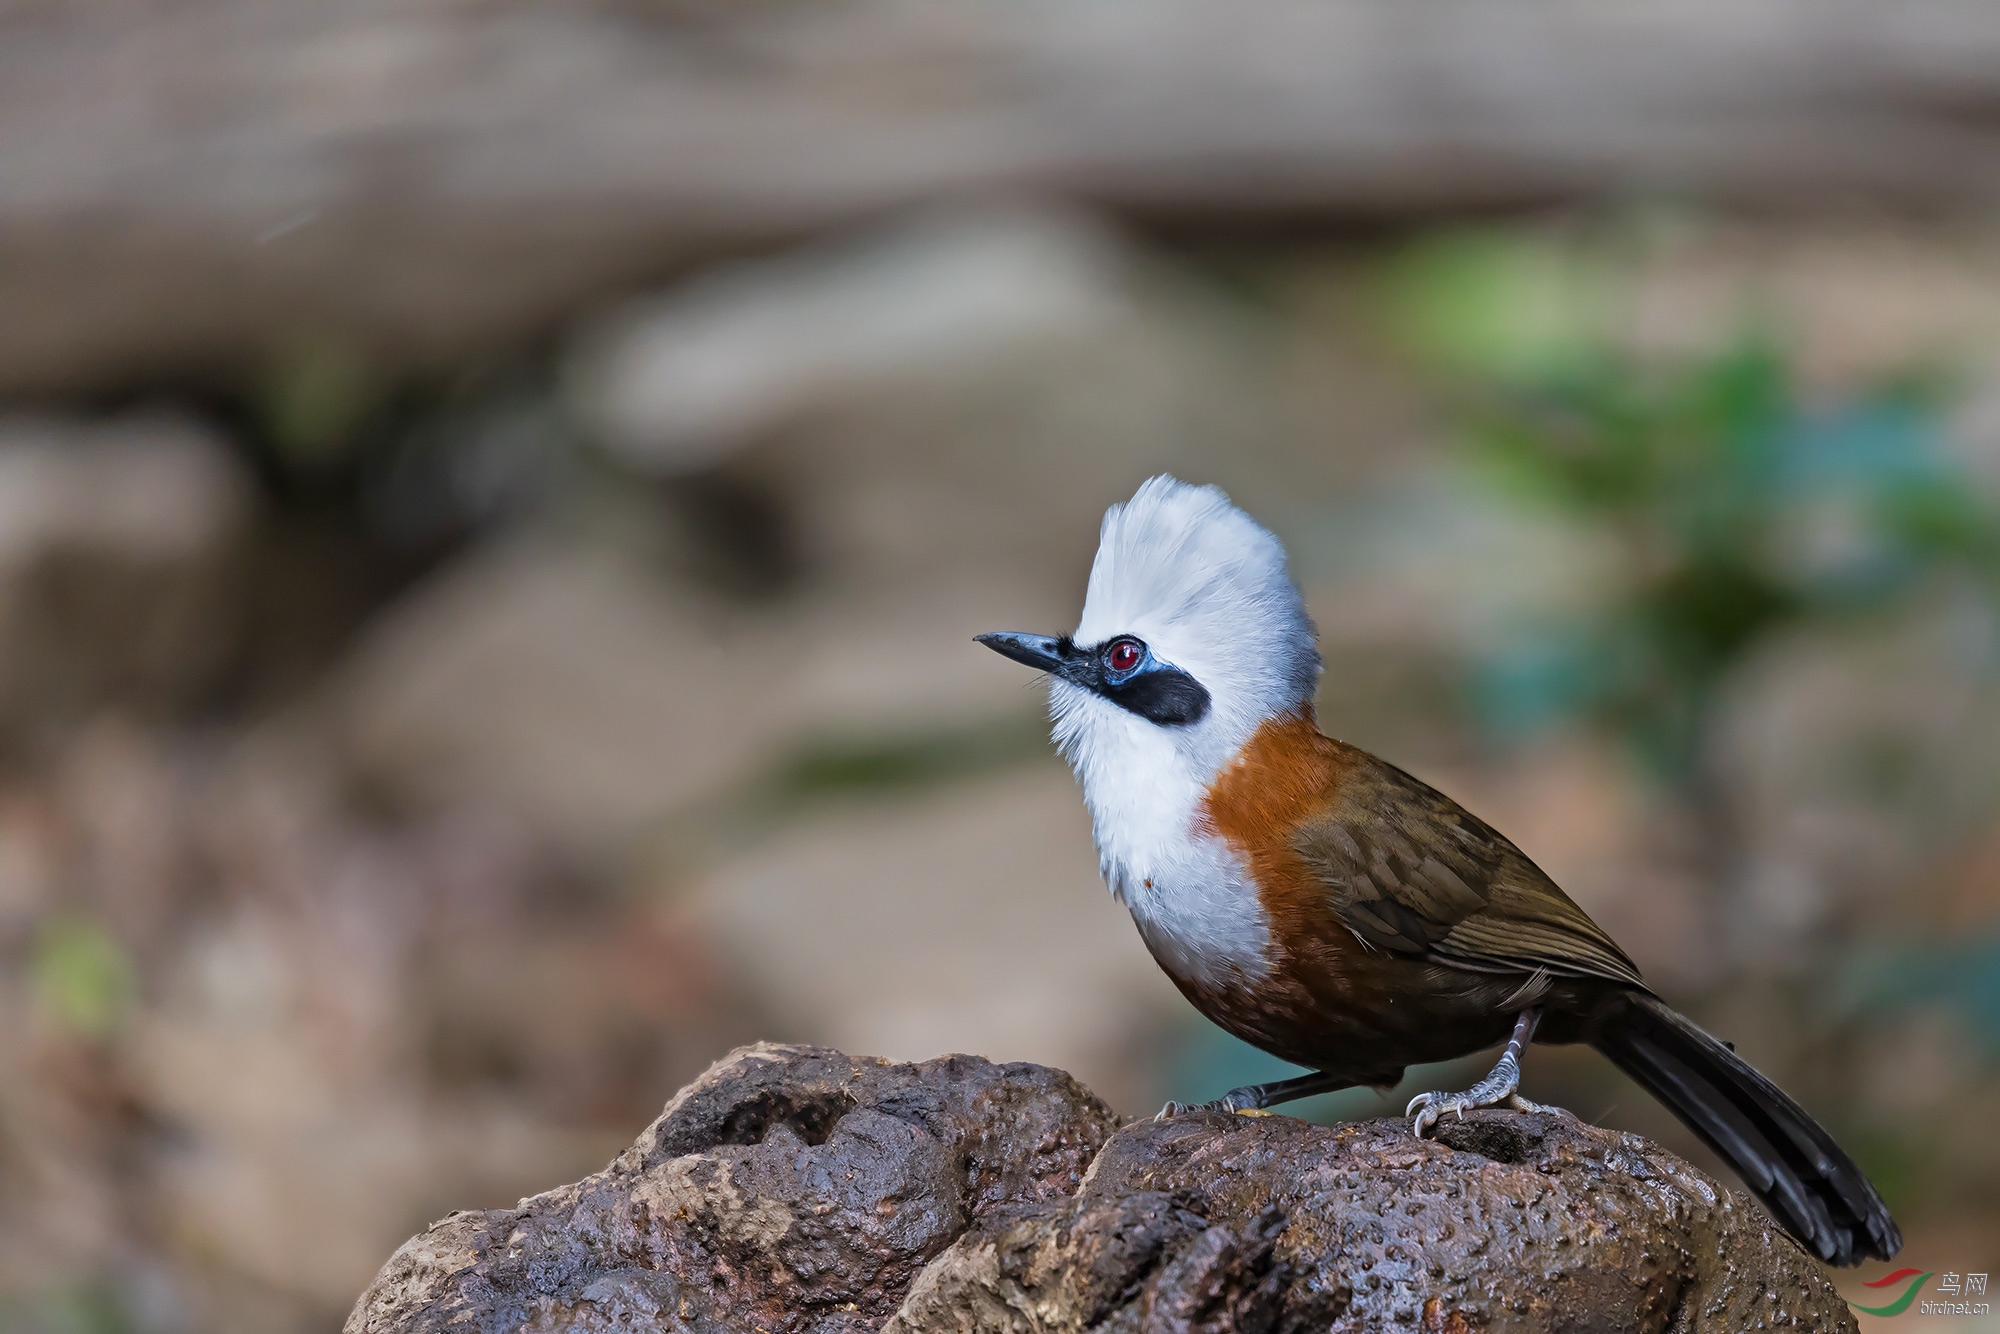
1496,1090
1256,1097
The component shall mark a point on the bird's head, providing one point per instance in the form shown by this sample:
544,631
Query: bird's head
1193,635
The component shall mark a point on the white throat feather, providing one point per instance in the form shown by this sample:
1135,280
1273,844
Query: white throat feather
1208,590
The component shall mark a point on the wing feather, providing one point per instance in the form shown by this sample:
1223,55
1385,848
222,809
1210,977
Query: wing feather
1409,871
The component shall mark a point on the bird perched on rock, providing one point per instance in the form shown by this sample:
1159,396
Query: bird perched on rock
1327,907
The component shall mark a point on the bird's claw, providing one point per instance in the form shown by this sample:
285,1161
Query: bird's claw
1517,1103
1427,1109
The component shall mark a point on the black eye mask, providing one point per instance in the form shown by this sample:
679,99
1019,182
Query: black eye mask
1161,694
1156,691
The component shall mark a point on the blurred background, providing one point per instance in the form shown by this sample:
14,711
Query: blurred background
495,498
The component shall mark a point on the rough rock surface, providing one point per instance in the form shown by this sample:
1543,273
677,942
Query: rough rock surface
798,1189
789,1188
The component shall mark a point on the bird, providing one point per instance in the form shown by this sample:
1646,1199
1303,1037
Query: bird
1325,906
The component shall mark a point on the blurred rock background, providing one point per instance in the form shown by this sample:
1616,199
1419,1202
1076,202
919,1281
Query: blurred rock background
494,502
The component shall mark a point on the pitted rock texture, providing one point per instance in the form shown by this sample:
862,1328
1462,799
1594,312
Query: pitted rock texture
789,1188
798,1189
1504,1222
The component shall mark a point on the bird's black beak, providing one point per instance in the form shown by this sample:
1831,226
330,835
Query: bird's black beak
1042,652
1162,694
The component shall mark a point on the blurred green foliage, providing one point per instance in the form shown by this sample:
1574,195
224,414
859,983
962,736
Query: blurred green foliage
84,1308
315,400
1736,510
844,767
81,980
1495,304
1732,505
868,765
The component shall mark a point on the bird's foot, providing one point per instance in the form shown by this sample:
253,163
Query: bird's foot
1498,1089
1517,1103
1247,1101
1427,1109
1430,1108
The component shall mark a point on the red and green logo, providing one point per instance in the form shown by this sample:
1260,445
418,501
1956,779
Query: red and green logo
1915,1280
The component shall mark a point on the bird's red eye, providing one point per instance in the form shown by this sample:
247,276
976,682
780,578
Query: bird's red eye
1124,655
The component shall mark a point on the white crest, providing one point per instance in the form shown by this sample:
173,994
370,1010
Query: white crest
1207,588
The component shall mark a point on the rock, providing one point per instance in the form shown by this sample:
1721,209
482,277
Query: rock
843,922
211,176
588,692
1504,1222
788,1188
119,547
679,382
556,681
797,1189
838,465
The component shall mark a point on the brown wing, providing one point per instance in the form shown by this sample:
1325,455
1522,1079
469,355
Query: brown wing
1410,871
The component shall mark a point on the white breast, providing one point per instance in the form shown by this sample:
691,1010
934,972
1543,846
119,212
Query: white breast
1188,891
1199,914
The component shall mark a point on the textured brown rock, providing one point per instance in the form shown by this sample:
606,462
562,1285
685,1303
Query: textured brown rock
789,1188
1505,1222
794,1188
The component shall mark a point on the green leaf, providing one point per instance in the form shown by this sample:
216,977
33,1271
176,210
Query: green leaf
81,979
1495,304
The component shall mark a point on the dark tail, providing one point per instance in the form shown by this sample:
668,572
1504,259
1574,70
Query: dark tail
1784,1156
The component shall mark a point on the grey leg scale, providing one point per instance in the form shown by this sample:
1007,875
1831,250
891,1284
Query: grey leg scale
1498,1089
1256,1097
